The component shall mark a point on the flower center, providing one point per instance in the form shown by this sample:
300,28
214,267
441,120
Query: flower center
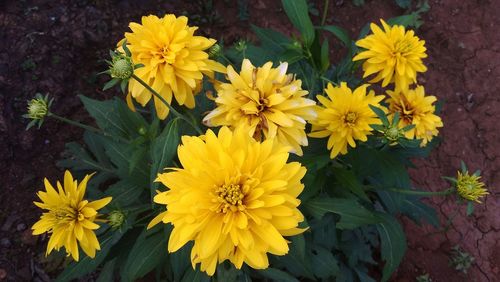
229,197
402,47
350,118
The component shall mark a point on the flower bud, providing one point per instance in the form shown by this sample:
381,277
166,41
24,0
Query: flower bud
142,131
37,109
241,46
122,67
470,187
116,219
393,133
214,51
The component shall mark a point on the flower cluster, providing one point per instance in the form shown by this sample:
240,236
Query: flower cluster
395,56
234,194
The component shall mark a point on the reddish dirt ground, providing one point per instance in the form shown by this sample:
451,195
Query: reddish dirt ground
55,47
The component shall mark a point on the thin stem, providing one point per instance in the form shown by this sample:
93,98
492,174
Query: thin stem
174,111
75,123
419,193
86,127
325,12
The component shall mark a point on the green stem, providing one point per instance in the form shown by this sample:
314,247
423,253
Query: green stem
421,193
174,111
86,127
325,12
75,123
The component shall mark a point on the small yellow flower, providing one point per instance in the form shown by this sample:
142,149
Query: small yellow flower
174,60
417,109
394,54
234,197
470,187
69,218
345,117
267,101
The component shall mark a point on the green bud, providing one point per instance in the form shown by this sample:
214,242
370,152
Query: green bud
241,46
116,219
142,131
393,133
214,51
122,67
297,44
38,109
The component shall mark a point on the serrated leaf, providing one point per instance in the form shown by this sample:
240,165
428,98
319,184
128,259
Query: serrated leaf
124,192
352,214
416,210
106,115
145,255
393,244
271,38
340,33
298,13
324,263
163,150
347,179
277,275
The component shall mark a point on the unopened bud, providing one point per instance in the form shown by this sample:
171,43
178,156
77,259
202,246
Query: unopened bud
116,219
214,51
122,67
393,133
241,46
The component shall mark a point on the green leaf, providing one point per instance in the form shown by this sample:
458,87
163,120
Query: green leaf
416,210
297,12
291,56
107,272
340,33
393,243
381,115
145,255
295,261
106,115
180,261
347,179
277,275
124,192
324,263
87,264
110,83
325,56
405,4
272,39
163,150
195,275
352,214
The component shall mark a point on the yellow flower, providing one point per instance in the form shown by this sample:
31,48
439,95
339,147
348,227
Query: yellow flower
174,60
345,117
470,187
235,198
417,109
267,101
69,218
394,54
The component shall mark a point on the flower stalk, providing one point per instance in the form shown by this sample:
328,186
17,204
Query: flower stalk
174,111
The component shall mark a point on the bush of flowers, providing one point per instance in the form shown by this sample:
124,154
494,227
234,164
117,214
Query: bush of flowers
263,161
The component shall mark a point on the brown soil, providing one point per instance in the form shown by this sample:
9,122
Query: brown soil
55,47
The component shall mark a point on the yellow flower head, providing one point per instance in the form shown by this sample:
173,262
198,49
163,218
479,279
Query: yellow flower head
235,197
417,109
265,100
470,187
69,219
345,117
174,60
393,53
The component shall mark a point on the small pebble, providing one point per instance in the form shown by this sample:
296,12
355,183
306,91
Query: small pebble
21,227
5,242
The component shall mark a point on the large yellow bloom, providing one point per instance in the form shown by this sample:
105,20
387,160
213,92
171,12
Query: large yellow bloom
415,108
69,218
267,101
393,53
234,197
174,60
345,117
